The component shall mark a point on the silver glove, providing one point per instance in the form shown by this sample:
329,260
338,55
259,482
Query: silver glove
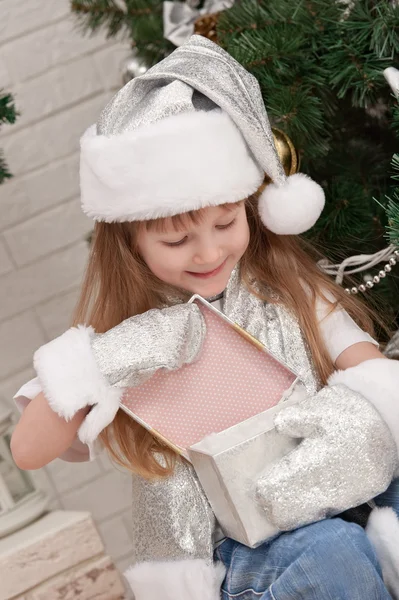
81,368
346,457
130,353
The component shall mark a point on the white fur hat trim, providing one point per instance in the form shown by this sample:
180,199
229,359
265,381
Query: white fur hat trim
183,162
293,207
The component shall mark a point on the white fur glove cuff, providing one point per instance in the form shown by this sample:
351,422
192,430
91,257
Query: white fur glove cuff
71,380
377,380
176,580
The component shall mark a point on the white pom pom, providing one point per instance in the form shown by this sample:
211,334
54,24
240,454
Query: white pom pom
292,208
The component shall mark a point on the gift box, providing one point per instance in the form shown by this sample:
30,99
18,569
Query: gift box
229,463
218,412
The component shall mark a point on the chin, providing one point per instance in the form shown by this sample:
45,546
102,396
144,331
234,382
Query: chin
207,289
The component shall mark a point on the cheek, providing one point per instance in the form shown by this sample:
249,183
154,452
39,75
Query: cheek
165,263
241,240
152,258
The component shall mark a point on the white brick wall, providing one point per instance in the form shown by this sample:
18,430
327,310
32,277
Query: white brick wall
60,80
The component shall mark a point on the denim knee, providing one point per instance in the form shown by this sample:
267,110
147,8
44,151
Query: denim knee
343,538
336,560
331,558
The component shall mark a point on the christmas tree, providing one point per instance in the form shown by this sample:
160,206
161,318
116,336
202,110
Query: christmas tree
393,201
320,66
8,114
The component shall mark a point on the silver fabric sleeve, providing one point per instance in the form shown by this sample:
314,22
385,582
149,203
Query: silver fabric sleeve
131,352
346,457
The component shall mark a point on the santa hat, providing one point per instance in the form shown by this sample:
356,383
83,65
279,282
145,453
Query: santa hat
189,133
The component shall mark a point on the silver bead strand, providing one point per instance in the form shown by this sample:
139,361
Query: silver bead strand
372,281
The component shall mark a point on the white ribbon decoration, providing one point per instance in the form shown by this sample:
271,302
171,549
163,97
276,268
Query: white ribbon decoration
392,76
360,262
179,17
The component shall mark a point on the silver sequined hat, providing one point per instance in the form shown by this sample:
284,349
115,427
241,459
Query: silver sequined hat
189,133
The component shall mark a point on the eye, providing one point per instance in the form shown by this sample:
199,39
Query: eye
226,226
179,243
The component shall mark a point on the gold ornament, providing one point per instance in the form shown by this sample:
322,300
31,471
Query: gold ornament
206,26
287,154
286,151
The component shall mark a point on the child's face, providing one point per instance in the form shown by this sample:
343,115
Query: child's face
200,257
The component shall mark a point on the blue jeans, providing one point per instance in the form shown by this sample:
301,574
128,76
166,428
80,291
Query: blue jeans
331,560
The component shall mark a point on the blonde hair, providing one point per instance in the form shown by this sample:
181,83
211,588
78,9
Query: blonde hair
118,284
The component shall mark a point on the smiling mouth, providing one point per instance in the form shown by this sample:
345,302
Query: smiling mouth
208,273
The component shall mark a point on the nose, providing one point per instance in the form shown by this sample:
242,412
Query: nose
208,253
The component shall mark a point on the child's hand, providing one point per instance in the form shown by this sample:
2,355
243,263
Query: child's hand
347,456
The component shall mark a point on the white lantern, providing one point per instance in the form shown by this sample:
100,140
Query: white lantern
20,501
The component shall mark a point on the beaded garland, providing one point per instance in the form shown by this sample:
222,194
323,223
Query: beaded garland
368,285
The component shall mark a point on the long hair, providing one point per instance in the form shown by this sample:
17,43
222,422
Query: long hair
118,284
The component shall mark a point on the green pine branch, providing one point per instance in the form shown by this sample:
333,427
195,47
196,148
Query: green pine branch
4,172
97,14
141,22
8,114
393,206
374,26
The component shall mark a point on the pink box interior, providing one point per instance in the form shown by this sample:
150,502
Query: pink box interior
231,381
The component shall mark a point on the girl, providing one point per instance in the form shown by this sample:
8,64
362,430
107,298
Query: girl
174,175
